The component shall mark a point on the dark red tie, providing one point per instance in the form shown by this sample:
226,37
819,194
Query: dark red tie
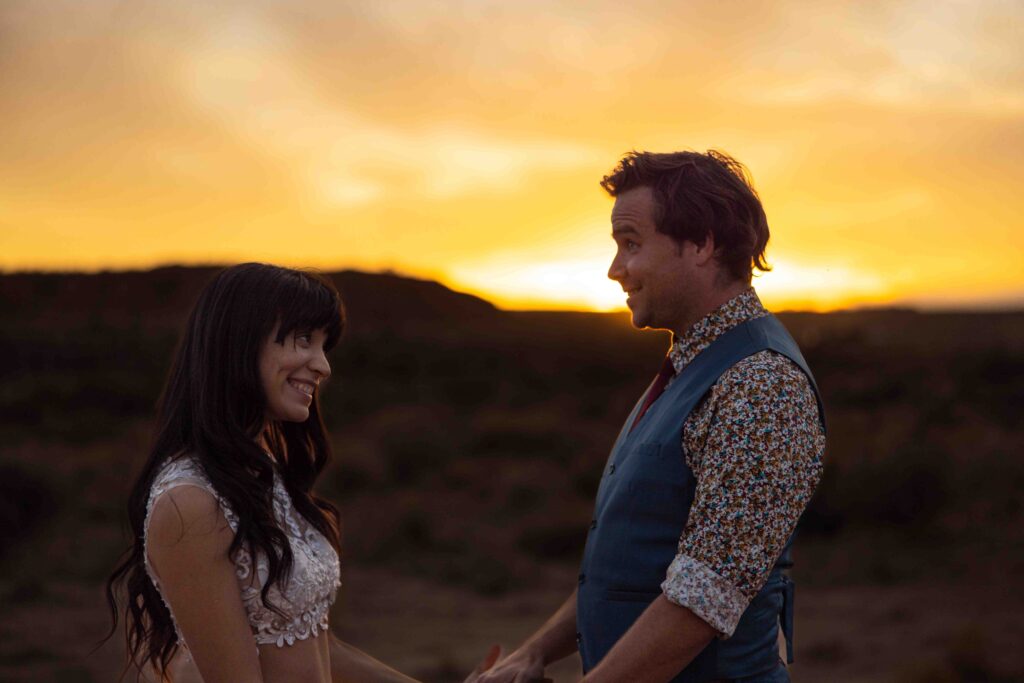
666,373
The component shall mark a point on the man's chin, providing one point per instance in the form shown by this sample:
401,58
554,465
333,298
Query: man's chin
639,320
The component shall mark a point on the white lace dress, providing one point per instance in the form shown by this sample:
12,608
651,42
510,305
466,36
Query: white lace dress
312,585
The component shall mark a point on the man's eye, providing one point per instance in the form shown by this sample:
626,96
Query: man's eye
631,245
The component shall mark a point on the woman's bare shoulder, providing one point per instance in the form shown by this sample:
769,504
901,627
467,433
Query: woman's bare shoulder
187,514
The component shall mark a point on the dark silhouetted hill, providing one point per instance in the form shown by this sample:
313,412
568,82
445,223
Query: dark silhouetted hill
165,295
452,418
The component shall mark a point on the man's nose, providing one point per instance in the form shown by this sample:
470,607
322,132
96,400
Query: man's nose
616,271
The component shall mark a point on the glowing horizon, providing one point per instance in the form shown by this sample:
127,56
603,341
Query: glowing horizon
465,145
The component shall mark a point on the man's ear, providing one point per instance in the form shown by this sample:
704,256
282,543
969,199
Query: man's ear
704,252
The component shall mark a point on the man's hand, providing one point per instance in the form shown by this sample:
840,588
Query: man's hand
518,667
554,640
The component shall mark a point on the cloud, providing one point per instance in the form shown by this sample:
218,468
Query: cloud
242,75
463,130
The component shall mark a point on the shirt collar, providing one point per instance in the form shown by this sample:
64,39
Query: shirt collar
739,309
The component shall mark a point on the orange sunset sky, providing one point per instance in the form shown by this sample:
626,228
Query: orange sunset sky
464,141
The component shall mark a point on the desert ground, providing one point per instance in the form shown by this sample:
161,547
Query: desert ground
468,444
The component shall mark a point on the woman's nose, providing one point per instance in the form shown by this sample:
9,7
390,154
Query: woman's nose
320,365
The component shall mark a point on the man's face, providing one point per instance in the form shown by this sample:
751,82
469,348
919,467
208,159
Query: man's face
654,271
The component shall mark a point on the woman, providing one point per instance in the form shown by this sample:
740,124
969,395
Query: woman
234,563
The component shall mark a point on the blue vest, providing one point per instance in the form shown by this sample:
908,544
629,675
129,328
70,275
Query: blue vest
642,505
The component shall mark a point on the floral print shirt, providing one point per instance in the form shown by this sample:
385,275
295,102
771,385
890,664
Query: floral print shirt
755,444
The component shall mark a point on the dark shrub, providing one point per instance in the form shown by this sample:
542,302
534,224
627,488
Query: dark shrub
554,544
26,501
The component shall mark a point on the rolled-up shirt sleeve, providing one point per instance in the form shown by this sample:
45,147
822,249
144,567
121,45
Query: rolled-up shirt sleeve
756,446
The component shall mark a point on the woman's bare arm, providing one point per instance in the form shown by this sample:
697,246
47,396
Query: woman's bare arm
351,665
188,542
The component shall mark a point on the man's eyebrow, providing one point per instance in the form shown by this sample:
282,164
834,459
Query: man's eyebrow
624,230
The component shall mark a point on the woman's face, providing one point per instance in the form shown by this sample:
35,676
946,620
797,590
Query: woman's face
291,371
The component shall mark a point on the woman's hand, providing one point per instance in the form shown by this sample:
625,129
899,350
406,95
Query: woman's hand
489,659
511,669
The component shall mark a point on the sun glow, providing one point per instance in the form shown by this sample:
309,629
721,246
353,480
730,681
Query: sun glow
801,286
557,284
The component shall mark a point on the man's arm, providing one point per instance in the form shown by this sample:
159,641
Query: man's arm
756,448
656,647
754,479
553,641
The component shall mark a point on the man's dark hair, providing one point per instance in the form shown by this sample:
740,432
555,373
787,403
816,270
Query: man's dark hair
697,195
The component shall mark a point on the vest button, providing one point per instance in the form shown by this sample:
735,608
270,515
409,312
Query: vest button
583,578
579,637
611,470
593,524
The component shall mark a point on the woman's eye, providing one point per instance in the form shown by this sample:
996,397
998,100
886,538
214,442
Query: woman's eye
304,338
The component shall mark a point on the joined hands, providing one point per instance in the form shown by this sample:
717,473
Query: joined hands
518,667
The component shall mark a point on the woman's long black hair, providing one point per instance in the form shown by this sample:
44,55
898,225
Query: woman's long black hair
213,410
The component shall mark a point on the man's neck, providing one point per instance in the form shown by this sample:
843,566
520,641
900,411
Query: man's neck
715,299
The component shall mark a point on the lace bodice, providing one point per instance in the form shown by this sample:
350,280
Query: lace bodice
314,579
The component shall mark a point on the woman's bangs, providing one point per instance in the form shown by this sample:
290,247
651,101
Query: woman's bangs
311,303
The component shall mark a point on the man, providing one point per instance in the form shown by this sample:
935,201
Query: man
682,576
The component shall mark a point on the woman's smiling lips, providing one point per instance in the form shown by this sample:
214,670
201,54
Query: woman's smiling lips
306,388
